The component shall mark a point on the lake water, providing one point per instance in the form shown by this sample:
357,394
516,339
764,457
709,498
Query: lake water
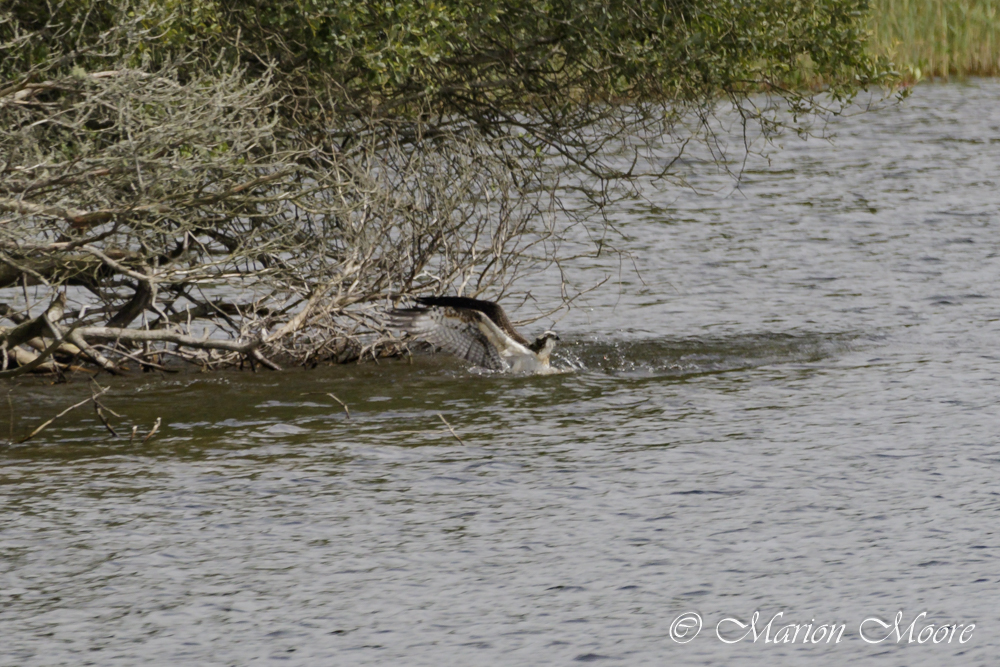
792,408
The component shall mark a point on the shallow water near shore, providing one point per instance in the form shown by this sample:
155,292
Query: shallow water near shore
791,408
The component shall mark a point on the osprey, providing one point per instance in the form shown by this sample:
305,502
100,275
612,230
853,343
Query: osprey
477,331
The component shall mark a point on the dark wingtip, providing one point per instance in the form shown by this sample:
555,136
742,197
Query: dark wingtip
456,302
442,302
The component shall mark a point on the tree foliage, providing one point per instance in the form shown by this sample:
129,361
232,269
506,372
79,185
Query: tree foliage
270,173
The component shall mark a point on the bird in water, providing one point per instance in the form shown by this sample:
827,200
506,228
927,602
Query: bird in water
477,331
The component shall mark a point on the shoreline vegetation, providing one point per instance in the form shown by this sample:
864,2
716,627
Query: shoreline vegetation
937,38
255,184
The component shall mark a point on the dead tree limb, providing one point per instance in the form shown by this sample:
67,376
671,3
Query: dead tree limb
343,405
77,339
35,327
33,364
152,432
43,426
136,335
450,428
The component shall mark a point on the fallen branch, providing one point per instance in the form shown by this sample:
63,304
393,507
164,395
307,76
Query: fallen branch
156,427
104,420
450,428
10,339
255,354
35,327
342,403
137,360
72,407
66,348
77,339
113,333
33,364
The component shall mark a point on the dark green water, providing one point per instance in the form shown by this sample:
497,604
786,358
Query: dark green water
794,410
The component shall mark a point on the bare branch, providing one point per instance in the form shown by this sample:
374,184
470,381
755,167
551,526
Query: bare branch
44,425
450,428
118,334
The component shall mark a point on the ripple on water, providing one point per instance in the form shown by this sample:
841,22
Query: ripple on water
791,408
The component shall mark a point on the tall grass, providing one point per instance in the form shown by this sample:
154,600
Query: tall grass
938,37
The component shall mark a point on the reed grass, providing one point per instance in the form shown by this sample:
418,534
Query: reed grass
938,38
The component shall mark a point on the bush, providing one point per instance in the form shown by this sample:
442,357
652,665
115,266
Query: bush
270,174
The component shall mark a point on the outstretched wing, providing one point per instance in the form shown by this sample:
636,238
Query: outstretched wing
459,332
491,309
